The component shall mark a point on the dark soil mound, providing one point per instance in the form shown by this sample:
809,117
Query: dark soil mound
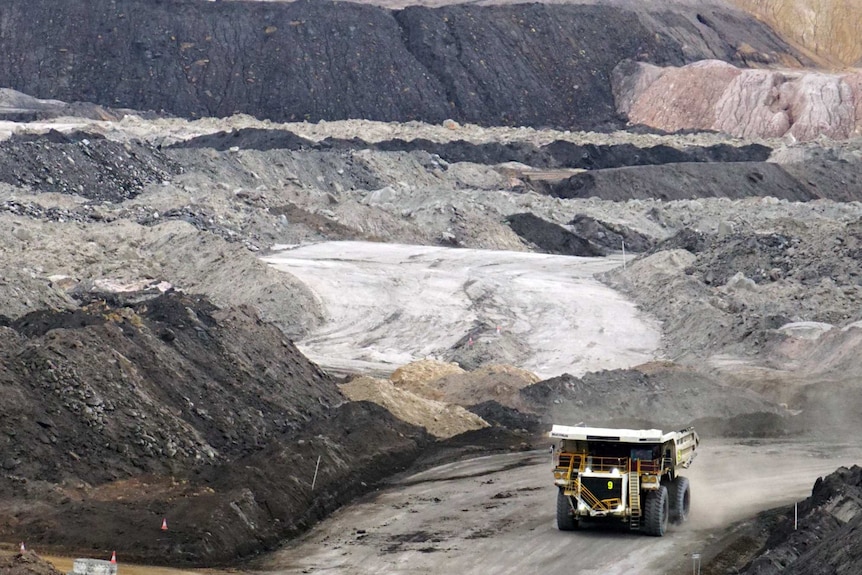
27,563
760,257
525,64
224,513
837,180
104,392
558,154
565,154
551,238
593,157
478,443
249,139
687,181
768,257
749,425
609,236
686,239
827,538
497,414
654,396
147,407
87,165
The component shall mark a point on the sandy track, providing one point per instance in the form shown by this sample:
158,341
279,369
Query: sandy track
388,304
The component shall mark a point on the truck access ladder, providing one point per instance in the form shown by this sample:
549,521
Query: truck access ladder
634,500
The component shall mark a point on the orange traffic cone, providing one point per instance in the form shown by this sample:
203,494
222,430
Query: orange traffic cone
114,557
165,524
23,549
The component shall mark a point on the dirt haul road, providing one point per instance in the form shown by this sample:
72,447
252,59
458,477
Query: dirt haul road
389,304
496,515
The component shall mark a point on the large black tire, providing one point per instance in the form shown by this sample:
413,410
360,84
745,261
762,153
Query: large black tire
679,494
565,520
656,512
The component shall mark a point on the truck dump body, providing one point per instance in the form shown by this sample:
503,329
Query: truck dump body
627,474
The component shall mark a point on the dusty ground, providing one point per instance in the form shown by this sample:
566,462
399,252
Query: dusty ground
496,513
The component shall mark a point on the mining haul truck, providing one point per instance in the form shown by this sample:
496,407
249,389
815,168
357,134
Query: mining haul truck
626,475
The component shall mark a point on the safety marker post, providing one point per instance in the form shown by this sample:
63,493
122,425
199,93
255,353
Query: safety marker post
316,467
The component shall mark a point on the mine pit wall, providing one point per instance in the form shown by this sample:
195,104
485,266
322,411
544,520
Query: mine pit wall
528,64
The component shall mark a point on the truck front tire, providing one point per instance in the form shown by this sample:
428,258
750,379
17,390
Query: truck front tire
656,512
566,521
679,492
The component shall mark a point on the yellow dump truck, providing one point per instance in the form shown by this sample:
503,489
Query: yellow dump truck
626,475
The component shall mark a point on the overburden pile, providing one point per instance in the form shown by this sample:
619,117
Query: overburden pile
524,65
147,405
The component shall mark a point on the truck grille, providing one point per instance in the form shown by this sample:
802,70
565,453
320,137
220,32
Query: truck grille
606,491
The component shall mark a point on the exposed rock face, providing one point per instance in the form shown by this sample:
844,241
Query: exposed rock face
714,95
524,64
829,29
826,540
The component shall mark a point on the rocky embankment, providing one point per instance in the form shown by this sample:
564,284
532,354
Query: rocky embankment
819,537
524,64
714,95
148,405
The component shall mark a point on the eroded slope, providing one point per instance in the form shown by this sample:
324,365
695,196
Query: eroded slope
828,29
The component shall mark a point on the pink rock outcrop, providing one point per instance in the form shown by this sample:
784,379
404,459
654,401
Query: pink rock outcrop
714,95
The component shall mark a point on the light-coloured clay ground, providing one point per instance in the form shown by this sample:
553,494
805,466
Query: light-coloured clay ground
389,304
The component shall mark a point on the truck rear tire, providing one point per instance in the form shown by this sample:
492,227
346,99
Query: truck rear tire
679,493
565,520
656,512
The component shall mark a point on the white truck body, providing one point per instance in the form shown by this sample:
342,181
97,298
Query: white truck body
628,474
